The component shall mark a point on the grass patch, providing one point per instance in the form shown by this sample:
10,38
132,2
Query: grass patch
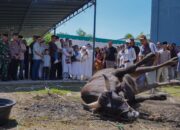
173,91
52,91
70,86
59,91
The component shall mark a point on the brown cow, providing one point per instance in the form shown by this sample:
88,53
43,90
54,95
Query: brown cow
114,90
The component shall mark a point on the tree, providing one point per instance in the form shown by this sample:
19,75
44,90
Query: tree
47,37
89,35
128,36
64,33
81,32
139,35
29,41
147,36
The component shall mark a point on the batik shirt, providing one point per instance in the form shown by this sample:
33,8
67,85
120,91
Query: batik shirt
4,51
15,49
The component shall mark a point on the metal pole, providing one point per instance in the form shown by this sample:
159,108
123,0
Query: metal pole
54,30
94,34
158,8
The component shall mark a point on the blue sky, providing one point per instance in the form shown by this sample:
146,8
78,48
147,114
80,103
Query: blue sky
115,18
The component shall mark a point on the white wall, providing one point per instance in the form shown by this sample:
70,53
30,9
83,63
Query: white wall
83,43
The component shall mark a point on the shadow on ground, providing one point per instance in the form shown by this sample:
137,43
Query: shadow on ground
12,123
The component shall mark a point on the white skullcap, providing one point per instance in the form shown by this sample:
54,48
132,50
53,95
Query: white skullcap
128,41
83,47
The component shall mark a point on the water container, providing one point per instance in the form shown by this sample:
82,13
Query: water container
5,110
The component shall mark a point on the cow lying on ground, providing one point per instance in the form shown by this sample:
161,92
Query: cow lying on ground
114,90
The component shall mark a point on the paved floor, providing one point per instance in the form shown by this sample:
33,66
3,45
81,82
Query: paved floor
40,81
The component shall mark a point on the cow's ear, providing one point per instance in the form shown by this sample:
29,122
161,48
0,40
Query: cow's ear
107,83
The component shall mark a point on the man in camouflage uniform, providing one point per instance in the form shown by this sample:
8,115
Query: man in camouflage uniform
4,57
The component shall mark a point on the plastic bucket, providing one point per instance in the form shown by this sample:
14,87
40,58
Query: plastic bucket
5,110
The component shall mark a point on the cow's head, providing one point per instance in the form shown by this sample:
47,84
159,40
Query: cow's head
114,102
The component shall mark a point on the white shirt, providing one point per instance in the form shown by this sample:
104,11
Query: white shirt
121,56
58,44
47,61
164,55
89,64
130,54
37,48
66,54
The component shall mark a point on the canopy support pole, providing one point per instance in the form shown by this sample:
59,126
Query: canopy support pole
54,30
94,34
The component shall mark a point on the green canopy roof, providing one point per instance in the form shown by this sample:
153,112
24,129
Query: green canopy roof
90,39
102,40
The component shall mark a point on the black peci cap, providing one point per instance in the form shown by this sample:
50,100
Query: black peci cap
20,36
5,34
53,36
15,34
164,43
131,39
38,37
57,37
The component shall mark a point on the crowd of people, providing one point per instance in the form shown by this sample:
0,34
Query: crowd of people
60,59
129,53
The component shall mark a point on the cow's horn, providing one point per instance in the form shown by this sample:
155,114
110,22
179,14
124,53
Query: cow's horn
107,84
95,105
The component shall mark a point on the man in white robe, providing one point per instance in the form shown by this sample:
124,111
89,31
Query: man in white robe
89,61
84,63
66,61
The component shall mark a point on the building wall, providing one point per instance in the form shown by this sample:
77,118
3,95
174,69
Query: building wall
165,21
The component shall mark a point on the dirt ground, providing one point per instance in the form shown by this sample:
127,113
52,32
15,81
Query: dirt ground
43,111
